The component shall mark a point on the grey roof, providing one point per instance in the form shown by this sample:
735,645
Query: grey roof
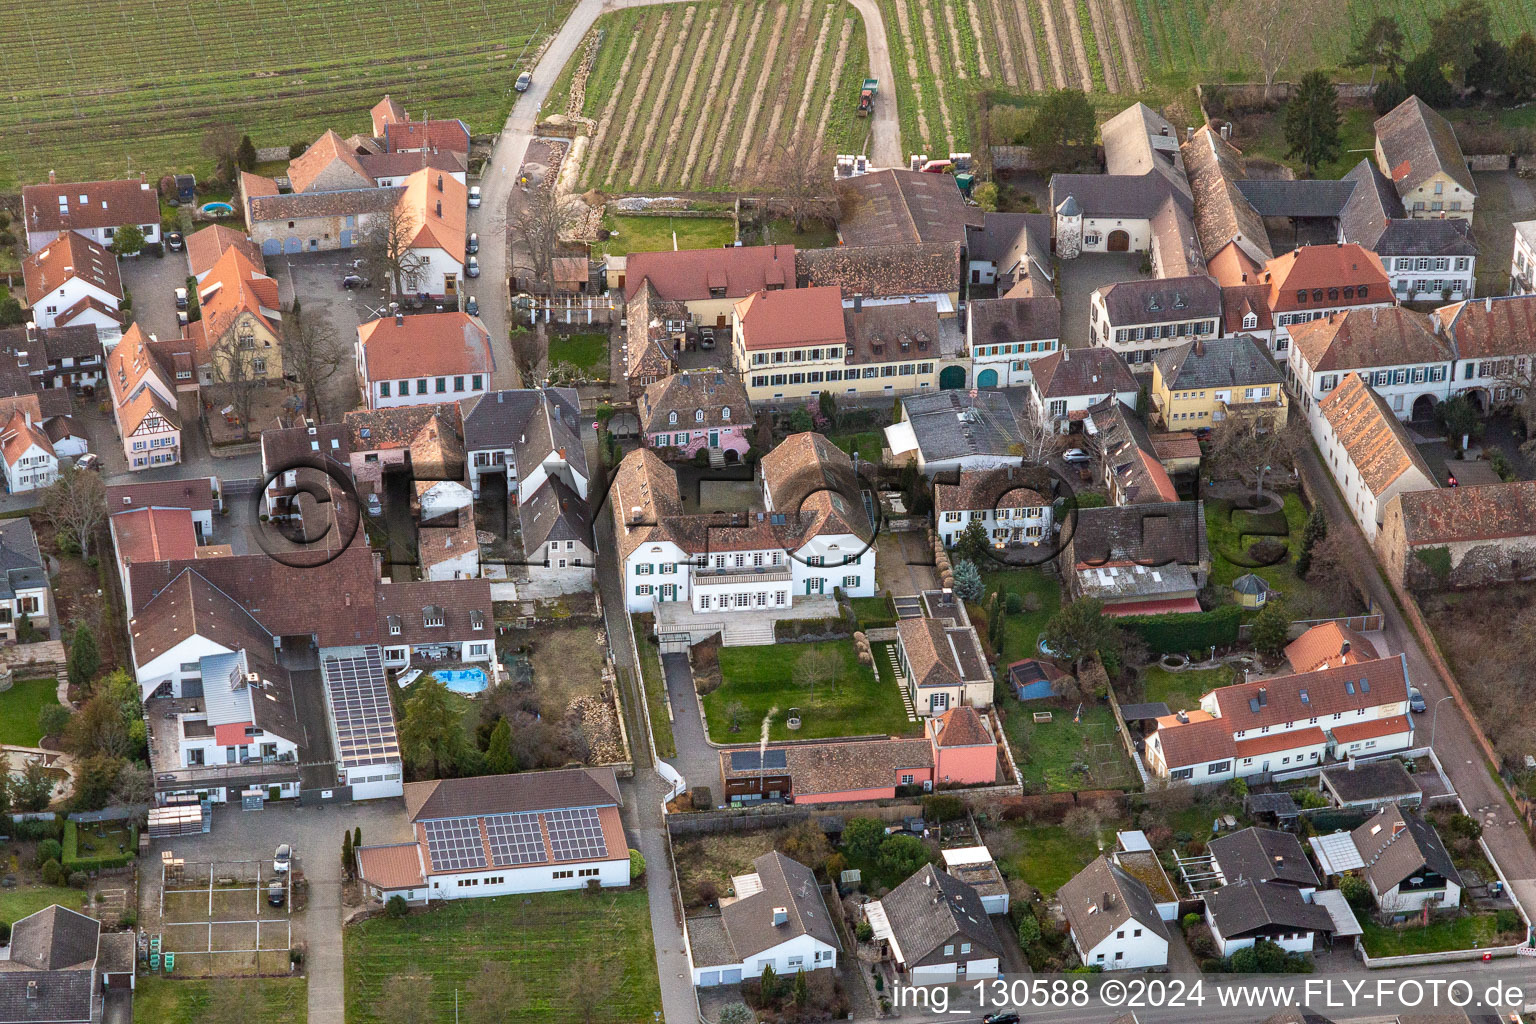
512,794
1449,237
933,909
1162,300
1154,534
718,394
1139,140
1250,583
897,206
1092,921
954,424
55,949
709,945
1142,712
554,512
532,423
1395,844
52,344
1235,362
54,938
1417,143
61,996
115,953
1247,908
1371,782
1281,805
1374,217
1006,239
1084,371
21,564
1263,855
1001,321
788,884
1069,207
1279,197
1108,195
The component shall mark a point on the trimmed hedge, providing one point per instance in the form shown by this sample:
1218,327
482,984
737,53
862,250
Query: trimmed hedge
1178,633
74,862
36,829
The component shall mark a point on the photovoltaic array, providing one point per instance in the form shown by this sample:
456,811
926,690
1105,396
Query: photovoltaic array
359,696
575,834
515,839
454,844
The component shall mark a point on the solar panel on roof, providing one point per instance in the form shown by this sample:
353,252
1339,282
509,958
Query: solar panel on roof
454,844
575,834
515,839
359,697
750,760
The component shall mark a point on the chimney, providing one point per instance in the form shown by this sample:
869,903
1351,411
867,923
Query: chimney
52,180
1263,697
1189,133
1199,347
1488,304
439,182
780,916
399,319
858,302
1108,901
32,983
1066,355
1344,648
1245,278
31,330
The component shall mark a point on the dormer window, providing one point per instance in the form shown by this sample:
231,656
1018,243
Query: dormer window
725,412
671,417
698,415
1361,291
1333,295
1301,295
1349,292
394,625
476,619
1317,295
1250,320
432,616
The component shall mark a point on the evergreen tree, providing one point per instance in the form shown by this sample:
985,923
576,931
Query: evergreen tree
1455,36
1520,69
1425,78
973,542
245,156
1312,122
84,658
346,853
1381,46
968,585
1315,530
498,752
802,989
1271,629
1390,91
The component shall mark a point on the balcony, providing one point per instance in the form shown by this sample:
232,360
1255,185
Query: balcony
740,574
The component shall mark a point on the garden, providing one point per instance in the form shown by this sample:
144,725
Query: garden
1273,546
1041,596
1079,747
227,1000
1182,690
555,956
654,232
655,683
834,694
1467,931
21,707
587,353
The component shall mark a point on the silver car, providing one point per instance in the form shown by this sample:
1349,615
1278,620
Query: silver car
282,860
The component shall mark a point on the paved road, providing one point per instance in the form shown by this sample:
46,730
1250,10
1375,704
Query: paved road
1454,742
885,147
696,760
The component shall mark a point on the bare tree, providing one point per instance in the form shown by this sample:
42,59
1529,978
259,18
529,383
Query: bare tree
232,364
386,249
1252,445
76,504
1519,376
219,143
541,220
404,999
1039,439
802,188
134,785
1274,34
527,353
312,355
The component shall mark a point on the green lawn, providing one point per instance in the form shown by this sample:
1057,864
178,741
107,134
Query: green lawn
856,703
1047,752
1022,631
815,236
194,1000
572,956
636,233
874,612
1355,133
655,689
1230,533
1454,933
19,707
1051,856
867,444
26,898
586,352
1183,690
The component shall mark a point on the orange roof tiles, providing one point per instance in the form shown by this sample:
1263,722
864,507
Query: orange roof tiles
328,149
1356,731
1328,644
206,246
18,437
70,256
1276,742
1496,326
153,535
234,286
435,206
397,866
780,319
429,344
1322,271
58,206
1461,514
691,274
1370,337
1373,437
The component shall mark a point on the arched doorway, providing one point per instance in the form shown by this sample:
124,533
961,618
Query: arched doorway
1119,241
732,456
986,379
1479,399
952,377
1423,408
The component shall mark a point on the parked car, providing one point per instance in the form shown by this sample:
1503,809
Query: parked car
474,197
1416,702
181,318
524,80
181,298
472,307
175,241
472,267
276,894
472,246
1001,1018
282,860
375,507
90,460
1076,457
354,281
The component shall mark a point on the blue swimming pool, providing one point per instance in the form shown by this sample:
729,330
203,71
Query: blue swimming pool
463,680
218,208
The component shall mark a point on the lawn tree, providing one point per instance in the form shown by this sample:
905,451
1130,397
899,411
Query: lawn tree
736,716
33,791
968,585
431,739
498,751
862,838
1315,530
219,144
1520,69
1460,418
84,658
245,154
1063,130
53,719
1424,77
1271,629
76,505
801,193
973,543
127,240
1083,821
134,786
1312,122
1337,573
1078,631
1248,445
313,354
1380,47
494,988
232,365
102,725
1457,35
403,999
386,249
1274,34
537,227
815,666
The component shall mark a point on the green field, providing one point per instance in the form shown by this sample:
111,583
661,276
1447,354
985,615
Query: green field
1182,691
1454,933
29,898
856,702
18,711
572,957
657,232
708,96
1050,856
655,683
105,89
1061,755
228,1000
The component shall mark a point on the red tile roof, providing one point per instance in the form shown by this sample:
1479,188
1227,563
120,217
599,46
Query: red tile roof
1161,606
691,274
1356,731
1502,325
206,246
398,866
386,112
1321,269
961,727
1460,514
1374,438
781,319
1370,337
435,207
234,286
19,435
1329,691
1276,742
450,135
1201,739
429,344
1326,645
153,534
67,257
328,149
107,204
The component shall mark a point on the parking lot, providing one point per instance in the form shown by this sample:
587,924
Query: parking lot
152,281
219,917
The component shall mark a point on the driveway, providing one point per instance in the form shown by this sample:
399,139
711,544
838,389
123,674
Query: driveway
1503,197
315,833
698,762
314,279
153,282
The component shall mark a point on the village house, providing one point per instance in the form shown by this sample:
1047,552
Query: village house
1143,319
1142,559
206,246
896,206
889,274
1427,260
424,359
1133,471
1401,857
1522,264
94,210
1262,855
1286,723
1012,253
1200,383
199,495
1245,911
1403,355
24,587
952,431
1368,451
436,621
1494,339
57,357
1370,785
939,658
1013,504
395,132
935,930
295,460
1113,919
776,919
1066,384
144,403
496,835
239,336
73,282
1417,149
31,462
693,291
1328,645
425,440
702,410
1460,538
149,534
1006,335
63,968
434,213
